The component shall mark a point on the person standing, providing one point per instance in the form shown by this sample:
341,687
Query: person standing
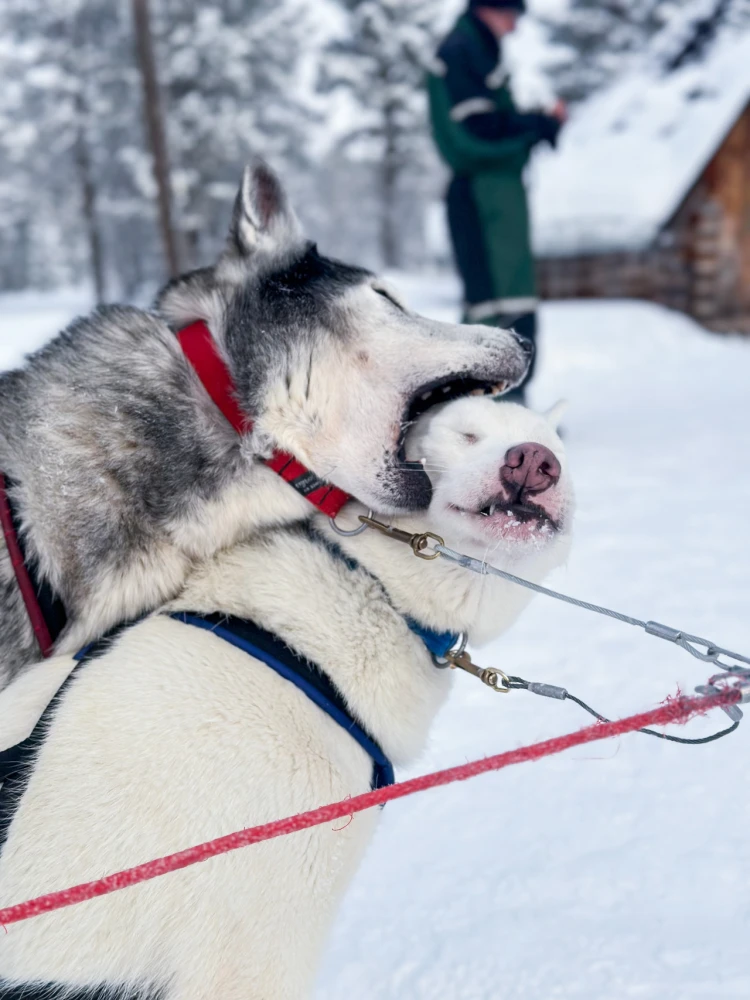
486,141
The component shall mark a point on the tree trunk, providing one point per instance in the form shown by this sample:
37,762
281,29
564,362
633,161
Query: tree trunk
88,200
155,129
389,175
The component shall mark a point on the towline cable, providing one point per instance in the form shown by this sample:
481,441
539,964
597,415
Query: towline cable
428,545
675,710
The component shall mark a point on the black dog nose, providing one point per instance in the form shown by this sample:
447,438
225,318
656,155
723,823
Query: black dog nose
526,345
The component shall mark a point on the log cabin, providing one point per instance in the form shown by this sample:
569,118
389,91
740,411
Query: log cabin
648,194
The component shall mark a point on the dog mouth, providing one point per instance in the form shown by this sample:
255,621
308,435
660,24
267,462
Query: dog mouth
501,513
439,392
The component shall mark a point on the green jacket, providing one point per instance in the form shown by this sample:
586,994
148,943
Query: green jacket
481,135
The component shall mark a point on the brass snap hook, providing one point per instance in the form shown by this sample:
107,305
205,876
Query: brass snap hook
419,544
496,679
418,541
493,677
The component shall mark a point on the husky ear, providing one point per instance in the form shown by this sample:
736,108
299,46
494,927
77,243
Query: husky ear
555,413
262,217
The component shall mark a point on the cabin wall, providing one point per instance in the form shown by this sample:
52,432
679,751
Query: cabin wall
700,263
658,274
721,243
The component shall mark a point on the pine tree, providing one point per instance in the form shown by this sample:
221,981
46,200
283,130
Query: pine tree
77,191
67,73
691,29
594,40
381,65
230,73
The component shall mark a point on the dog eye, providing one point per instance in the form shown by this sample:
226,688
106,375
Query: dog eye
470,438
386,295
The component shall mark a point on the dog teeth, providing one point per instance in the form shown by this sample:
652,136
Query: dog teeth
493,508
446,390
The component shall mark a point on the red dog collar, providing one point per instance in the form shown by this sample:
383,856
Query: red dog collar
200,349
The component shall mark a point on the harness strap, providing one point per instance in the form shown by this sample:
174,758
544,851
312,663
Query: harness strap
438,643
200,349
318,687
45,609
17,762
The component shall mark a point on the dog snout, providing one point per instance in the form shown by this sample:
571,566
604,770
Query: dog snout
530,468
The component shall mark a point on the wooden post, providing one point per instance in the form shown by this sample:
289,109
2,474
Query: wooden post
388,177
155,130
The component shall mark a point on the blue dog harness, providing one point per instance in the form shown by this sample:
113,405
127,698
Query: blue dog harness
16,762
319,688
307,676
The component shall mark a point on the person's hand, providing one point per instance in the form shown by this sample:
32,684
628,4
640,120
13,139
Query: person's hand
560,111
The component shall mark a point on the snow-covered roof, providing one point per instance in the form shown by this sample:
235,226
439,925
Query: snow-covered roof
630,154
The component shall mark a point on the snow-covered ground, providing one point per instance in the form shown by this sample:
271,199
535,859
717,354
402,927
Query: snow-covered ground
618,870
29,319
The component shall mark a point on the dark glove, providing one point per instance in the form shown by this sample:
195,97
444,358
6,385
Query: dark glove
548,129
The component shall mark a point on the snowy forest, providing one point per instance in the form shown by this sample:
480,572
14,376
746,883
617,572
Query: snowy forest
331,91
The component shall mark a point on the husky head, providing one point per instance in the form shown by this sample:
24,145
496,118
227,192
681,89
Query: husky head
327,359
500,479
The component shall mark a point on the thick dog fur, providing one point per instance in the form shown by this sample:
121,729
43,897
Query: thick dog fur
174,737
126,473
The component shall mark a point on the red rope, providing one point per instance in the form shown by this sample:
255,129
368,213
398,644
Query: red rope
676,710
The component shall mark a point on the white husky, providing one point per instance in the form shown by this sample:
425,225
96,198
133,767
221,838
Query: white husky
173,736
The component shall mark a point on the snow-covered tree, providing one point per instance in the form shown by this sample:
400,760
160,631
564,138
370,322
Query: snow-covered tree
380,63
71,101
236,77
77,189
594,40
690,29
231,75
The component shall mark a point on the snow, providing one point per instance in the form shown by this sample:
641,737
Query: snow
28,319
618,870
631,153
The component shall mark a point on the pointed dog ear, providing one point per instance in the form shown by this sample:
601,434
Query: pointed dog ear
262,218
555,413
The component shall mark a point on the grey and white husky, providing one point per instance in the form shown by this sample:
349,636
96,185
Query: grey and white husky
174,736
124,472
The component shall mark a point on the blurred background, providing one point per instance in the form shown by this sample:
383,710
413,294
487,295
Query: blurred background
647,195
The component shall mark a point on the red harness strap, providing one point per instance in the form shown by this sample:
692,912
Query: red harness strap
200,349
28,593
